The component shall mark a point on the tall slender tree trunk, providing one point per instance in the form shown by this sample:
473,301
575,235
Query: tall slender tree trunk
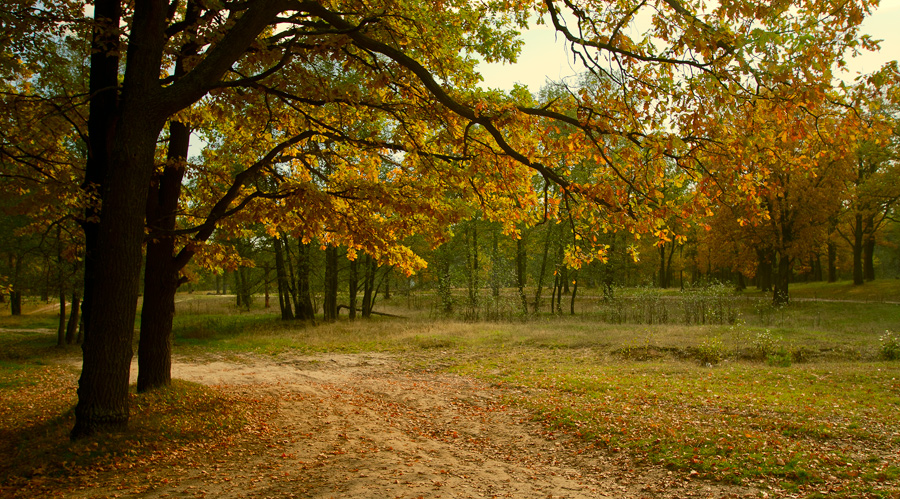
832,262
331,283
858,250
444,284
15,296
304,305
284,298
662,281
61,324
60,278
869,250
74,318
495,263
368,300
266,281
353,287
574,292
472,263
540,283
521,261
48,273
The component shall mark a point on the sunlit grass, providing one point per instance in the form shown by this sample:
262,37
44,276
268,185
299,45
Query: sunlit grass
742,422
794,399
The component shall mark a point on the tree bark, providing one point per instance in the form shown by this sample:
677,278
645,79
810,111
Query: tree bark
780,294
61,325
857,250
353,286
445,291
122,144
304,309
266,272
368,301
74,318
574,292
869,250
130,146
495,263
662,281
161,272
60,277
521,261
331,284
157,314
540,283
472,263
832,262
284,299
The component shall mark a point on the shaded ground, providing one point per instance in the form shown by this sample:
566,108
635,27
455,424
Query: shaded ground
358,426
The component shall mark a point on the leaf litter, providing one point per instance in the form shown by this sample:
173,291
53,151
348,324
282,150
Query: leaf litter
360,425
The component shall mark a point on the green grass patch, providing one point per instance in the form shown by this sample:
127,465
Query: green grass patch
739,422
878,290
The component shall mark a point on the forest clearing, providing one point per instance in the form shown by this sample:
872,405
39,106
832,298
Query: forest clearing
312,248
428,407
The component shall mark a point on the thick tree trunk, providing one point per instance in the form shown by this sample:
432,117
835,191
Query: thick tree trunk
161,272
115,254
103,109
157,314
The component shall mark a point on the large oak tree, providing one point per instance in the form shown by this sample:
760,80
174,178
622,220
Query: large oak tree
651,110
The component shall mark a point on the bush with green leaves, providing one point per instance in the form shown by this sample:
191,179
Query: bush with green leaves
711,351
889,346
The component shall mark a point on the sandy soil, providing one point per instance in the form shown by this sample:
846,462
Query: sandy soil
359,426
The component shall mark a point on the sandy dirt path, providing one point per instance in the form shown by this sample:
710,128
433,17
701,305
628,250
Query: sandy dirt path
359,426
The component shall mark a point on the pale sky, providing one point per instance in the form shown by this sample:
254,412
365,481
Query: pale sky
545,56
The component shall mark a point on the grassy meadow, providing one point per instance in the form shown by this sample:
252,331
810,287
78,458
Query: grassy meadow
802,400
